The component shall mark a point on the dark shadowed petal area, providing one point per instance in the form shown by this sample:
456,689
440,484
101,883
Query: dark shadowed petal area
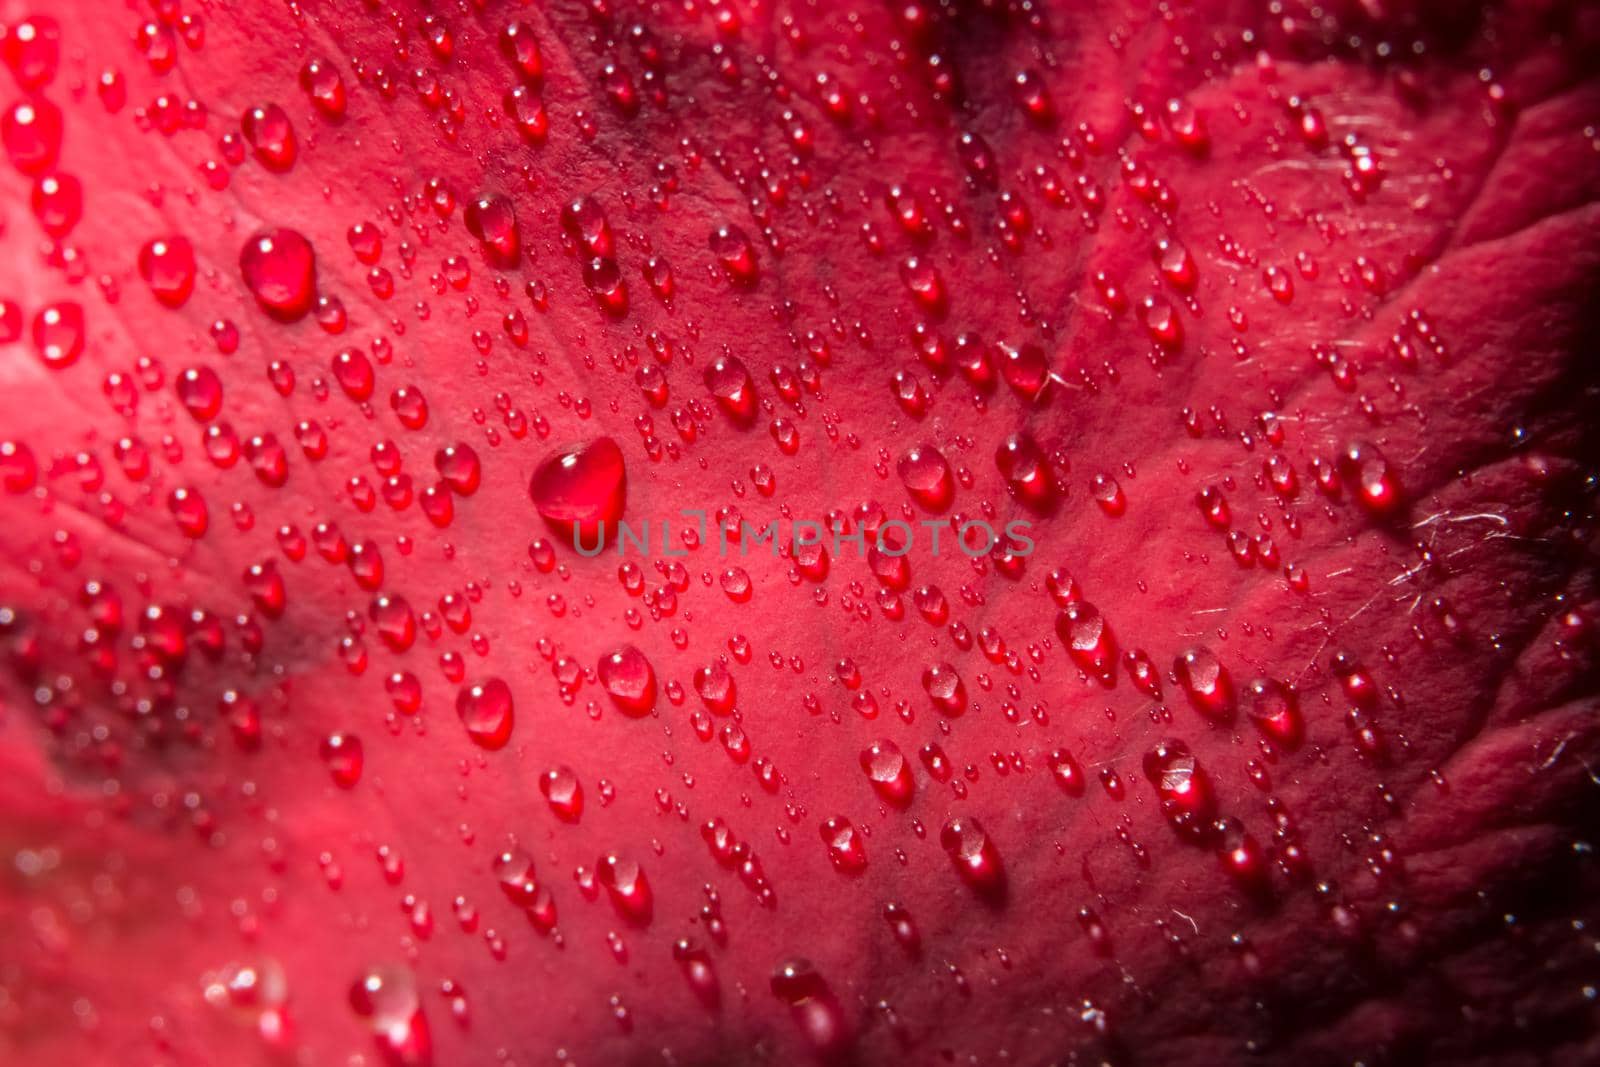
1106,497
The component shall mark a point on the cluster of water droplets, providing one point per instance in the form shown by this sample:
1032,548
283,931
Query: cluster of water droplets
358,452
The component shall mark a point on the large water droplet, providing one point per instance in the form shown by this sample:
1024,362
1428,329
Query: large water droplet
1375,485
58,334
342,753
889,772
486,712
926,475
1272,707
19,471
564,793
1023,465
1206,680
32,50
626,675
816,1010
493,221
271,137
1088,638
31,132
167,265
625,883
521,48
975,857
580,488
945,689
732,389
280,270
386,997
716,686
458,465
584,221
846,850
736,255
698,971
322,82
1187,799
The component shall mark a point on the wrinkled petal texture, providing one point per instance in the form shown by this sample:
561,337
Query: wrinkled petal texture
1274,323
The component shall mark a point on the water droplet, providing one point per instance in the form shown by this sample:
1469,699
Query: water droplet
846,850
386,997
1187,799
486,712
1065,770
1033,97
167,265
394,621
458,465
1376,487
735,582
322,82
514,870
978,159
353,371
816,1011
1108,494
527,112
32,50
716,687
584,221
521,48
626,675
926,285
200,392
189,510
280,270
903,927
1088,638
19,471
603,278
1188,127
493,221
57,203
927,477
58,334
1023,465
975,857
31,131
1280,283
736,255
1214,506
945,689
564,793
1025,370
580,488
1272,707
343,754
698,971
405,691
1240,855
271,137
732,389
1162,323
1206,680
625,883
889,772
935,761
